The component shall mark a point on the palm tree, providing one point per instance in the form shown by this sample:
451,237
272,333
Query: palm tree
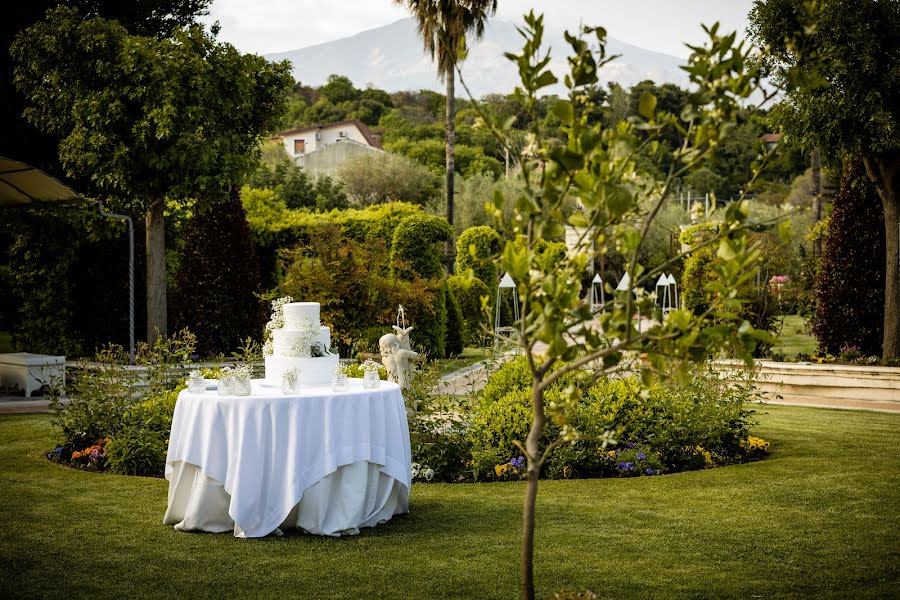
443,25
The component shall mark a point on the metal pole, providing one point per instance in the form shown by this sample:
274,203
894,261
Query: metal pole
130,223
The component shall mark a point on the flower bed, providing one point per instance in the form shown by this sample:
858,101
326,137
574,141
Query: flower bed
664,428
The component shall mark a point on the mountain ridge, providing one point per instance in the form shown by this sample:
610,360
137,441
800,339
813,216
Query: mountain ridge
391,57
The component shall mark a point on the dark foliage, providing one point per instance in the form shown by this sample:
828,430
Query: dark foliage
850,284
64,272
218,279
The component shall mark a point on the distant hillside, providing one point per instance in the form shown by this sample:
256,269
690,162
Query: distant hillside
392,58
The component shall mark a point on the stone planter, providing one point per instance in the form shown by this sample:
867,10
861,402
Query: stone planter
828,385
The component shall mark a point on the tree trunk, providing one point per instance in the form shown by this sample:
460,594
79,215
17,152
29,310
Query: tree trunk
156,271
816,171
526,583
451,137
884,171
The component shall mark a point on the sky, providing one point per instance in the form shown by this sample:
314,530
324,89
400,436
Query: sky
263,26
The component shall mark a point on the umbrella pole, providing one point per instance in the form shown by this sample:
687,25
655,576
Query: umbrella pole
130,223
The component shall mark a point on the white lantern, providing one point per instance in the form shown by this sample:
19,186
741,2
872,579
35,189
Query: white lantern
598,298
506,283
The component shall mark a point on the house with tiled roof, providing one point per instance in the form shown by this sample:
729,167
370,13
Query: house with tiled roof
324,148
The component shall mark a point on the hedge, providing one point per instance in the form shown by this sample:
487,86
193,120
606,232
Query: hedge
476,249
275,227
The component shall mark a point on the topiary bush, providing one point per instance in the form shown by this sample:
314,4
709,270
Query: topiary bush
218,280
476,249
456,327
850,285
417,247
417,251
468,293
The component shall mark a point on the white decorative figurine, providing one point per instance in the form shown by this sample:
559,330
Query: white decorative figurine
396,355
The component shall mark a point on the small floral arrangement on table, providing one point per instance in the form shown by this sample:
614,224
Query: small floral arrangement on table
235,380
371,374
196,383
339,379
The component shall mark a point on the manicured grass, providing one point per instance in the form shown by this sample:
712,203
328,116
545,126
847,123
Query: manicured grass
794,338
468,357
819,518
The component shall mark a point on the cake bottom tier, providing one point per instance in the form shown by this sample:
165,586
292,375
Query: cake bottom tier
313,371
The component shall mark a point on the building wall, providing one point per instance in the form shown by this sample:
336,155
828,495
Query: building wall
327,136
329,159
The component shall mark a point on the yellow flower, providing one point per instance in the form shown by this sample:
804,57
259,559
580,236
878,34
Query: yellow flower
501,470
611,453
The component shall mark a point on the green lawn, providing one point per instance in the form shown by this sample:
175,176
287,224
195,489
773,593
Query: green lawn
819,518
794,338
468,357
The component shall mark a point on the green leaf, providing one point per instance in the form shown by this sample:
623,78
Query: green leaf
647,105
564,111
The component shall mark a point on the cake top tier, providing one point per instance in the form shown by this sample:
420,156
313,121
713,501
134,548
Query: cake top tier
297,312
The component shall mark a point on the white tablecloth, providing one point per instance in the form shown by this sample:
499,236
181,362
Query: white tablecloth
327,462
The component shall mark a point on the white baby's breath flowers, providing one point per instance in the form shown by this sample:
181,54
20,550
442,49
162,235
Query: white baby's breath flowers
196,374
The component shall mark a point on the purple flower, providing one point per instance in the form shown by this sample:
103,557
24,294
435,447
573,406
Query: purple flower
650,471
641,456
95,454
626,466
517,462
631,445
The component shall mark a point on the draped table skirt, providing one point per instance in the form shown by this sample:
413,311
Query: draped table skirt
325,462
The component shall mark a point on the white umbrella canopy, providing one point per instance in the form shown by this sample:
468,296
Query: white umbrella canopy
22,184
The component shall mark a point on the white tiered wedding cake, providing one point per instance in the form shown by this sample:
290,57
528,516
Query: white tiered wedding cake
298,341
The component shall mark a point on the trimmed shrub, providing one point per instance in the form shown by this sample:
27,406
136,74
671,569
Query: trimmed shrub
850,284
476,248
137,450
468,293
417,247
274,227
698,272
354,283
218,282
417,252
455,325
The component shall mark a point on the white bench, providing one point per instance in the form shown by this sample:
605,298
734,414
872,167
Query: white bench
31,371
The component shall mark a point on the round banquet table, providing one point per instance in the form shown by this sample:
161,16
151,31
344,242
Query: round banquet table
322,461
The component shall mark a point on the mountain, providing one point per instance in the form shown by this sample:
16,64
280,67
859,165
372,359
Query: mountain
392,58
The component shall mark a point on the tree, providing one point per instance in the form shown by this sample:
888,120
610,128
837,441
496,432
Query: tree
850,283
443,25
838,61
596,167
384,177
142,119
24,142
218,279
